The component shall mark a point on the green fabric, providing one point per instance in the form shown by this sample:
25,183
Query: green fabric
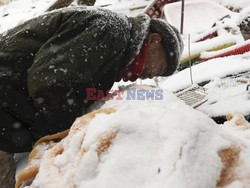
55,57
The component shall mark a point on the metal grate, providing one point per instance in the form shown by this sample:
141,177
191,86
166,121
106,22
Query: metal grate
196,95
193,96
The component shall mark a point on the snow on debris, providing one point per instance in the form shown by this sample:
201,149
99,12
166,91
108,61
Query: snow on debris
196,11
18,11
197,48
205,71
221,99
206,54
244,15
227,95
238,4
147,143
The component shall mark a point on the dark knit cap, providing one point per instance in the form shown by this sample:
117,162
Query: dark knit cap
171,41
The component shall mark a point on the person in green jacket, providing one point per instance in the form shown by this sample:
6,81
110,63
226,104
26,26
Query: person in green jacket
48,63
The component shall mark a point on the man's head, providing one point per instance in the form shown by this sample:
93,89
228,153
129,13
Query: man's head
164,49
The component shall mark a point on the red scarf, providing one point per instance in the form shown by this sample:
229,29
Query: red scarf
134,70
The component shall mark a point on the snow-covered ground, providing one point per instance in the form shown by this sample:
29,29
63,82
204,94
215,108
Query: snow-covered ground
18,11
239,4
158,143
147,143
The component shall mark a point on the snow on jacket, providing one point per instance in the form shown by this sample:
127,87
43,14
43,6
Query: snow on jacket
53,58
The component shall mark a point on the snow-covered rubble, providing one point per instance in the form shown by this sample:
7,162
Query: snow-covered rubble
148,143
228,95
153,143
236,5
206,71
18,11
196,11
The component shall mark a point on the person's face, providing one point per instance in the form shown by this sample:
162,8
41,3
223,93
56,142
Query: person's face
155,64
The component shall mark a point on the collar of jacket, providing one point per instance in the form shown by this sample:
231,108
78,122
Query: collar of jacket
134,70
138,33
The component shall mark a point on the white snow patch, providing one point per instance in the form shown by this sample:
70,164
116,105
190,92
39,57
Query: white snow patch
158,144
219,67
200,15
